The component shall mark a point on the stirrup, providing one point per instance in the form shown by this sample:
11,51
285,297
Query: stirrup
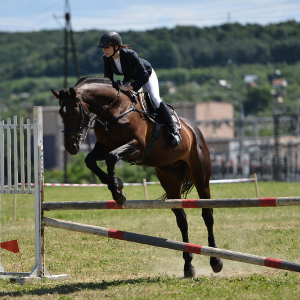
175,139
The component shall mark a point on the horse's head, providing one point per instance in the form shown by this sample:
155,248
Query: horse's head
75,117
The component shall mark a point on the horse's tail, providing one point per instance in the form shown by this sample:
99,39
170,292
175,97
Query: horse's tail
187,187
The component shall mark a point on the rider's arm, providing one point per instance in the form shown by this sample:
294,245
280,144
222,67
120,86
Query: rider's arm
107,68
142,72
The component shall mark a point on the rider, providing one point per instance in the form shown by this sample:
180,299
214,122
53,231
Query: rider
120,59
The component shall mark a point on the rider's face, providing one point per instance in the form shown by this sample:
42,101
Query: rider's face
109,51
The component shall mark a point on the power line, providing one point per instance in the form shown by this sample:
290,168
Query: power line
38,14
218,15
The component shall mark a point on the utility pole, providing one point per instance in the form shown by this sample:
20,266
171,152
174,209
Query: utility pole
228,18
276,162
68,33
276,122
241,137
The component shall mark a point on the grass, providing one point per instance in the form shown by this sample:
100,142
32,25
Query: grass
104,268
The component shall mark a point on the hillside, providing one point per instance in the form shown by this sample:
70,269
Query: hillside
41,53
188,60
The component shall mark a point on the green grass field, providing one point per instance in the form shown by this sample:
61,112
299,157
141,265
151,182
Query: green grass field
104,268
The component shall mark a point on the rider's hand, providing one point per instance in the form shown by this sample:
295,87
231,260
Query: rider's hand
125,87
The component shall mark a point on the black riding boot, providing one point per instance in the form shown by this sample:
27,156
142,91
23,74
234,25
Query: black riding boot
164,113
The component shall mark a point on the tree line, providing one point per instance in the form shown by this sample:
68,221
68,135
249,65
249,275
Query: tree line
36,54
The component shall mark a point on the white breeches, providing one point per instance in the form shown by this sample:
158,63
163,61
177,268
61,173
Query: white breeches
152,87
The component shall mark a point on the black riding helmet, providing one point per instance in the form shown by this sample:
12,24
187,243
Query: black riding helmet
110,38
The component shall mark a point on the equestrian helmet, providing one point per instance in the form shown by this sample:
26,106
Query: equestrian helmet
110,38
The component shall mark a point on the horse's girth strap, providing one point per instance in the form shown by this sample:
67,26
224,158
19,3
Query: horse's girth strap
151,143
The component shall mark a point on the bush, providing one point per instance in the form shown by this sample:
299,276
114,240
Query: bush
79,173
132,173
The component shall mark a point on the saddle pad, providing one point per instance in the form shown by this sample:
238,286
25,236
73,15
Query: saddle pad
148,106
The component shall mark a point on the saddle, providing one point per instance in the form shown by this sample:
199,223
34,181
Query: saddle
151,114
148,106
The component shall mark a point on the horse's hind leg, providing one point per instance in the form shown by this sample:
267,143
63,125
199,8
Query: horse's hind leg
171,180
198,171
207,214
188,269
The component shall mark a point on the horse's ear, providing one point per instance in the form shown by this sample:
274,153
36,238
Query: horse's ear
55,94
73,93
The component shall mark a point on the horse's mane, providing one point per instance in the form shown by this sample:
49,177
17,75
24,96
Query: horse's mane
93,79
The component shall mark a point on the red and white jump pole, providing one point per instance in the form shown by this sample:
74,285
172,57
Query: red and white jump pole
174,203
165,243
240,180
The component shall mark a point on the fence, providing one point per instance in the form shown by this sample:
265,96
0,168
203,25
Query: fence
259,158
16,141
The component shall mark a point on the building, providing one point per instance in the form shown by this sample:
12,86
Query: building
207,115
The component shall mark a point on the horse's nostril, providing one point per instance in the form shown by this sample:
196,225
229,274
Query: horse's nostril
75,147
72,148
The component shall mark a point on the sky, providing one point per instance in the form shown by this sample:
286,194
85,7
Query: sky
140,15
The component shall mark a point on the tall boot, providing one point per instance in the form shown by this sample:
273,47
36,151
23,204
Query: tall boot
164,112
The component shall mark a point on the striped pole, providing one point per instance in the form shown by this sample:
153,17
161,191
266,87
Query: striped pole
173,203
180,246
218,181
239,180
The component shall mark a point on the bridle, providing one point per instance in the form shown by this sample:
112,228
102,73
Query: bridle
78,138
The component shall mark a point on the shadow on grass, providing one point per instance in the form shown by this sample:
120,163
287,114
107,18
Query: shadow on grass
65,289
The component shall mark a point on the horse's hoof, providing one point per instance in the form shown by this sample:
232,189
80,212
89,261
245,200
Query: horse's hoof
190,273
121,199
218,267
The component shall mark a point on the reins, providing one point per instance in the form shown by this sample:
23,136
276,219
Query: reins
105,124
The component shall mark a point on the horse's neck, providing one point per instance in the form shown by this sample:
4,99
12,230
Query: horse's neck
98,103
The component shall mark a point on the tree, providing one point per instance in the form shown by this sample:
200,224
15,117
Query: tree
259,101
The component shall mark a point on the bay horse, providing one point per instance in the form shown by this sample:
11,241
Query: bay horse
123,132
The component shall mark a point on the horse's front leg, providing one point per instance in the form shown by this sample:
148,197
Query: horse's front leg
129,152
97,154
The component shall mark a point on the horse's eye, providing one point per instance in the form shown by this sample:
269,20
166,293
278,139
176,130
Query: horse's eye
64,109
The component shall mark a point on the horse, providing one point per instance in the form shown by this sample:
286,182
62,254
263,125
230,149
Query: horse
123,132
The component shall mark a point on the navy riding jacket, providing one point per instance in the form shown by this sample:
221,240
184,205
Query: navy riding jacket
133,67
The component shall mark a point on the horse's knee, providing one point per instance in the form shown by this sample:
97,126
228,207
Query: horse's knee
111,160
90,160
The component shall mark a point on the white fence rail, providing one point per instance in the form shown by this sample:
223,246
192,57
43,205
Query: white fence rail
9,171
13,168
